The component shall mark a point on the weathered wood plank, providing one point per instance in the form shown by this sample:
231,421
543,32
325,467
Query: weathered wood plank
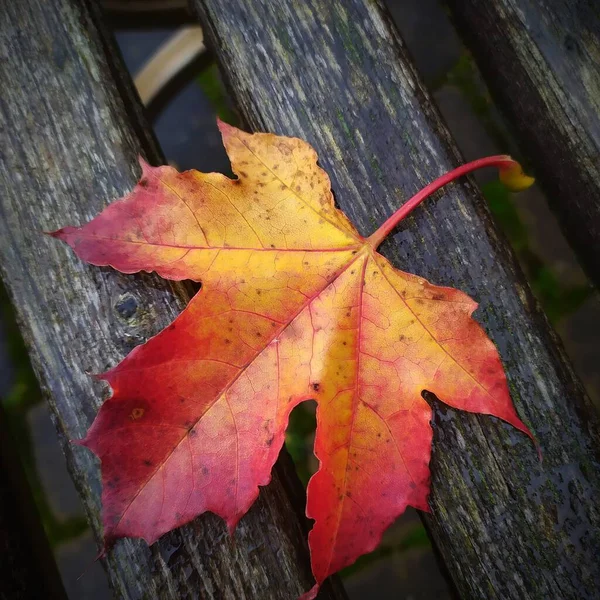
337,75
72,129
542,63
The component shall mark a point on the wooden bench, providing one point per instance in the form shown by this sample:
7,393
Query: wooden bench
337,75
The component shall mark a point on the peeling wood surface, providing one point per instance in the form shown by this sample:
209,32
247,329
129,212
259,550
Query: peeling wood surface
542,62
71,129
337,75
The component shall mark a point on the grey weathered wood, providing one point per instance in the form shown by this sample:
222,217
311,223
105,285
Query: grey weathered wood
337,75
542,63
71,130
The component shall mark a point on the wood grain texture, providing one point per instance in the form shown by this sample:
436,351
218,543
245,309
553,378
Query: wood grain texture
542,62
72,129
337,75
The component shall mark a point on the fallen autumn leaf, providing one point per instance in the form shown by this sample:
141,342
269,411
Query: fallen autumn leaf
294,305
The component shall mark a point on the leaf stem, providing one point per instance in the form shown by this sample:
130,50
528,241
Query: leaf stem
511,174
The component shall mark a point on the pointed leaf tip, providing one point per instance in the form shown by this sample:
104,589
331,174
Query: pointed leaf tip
224,128
311,594
58,233
64,234
146,167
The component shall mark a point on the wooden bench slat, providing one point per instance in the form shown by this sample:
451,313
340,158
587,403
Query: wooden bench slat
337,75
542,62
71,131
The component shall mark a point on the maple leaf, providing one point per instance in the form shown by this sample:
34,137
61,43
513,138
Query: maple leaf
294,305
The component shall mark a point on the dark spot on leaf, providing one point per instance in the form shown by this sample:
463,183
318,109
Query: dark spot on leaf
316,386
227,341
147,462
270,441
137,413
205,471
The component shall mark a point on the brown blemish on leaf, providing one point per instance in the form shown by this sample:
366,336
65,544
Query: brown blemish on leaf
136,413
